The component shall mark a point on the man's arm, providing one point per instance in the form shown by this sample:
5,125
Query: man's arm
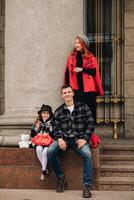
58,133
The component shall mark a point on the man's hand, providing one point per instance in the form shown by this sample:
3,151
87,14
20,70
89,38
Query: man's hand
80,143
78,69
62,144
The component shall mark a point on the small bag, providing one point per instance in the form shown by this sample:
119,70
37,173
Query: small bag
42,139
94,140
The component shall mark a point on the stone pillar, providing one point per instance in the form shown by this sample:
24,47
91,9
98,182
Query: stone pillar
2,54
38,37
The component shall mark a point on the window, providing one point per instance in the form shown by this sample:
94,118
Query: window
104,25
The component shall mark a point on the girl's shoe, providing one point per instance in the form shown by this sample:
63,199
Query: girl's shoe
45,172
42,177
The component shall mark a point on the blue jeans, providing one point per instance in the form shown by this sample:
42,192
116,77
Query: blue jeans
53,151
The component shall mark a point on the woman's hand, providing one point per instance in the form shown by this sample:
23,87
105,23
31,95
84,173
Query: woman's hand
80,143
62,144
78,69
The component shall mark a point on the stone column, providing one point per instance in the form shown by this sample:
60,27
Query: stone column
38,37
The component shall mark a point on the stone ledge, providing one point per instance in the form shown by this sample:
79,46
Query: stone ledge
20,169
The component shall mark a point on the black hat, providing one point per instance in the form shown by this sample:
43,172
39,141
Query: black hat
45,108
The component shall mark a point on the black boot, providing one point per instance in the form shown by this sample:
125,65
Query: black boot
86,191
45,172
61,185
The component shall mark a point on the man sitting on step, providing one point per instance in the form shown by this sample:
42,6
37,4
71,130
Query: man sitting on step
73,127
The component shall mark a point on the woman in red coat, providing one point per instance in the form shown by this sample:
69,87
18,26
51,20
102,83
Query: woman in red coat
82,73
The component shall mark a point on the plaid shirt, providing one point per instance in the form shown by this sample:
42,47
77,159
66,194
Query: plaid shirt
79,124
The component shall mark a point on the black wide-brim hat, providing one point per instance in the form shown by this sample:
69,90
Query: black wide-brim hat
45,108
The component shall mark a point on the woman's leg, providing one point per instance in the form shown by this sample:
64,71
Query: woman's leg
91,102
88,98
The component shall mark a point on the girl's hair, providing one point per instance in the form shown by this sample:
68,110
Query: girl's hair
86,52
36,120
39,117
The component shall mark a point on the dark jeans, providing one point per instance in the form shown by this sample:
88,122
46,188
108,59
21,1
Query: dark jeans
85,152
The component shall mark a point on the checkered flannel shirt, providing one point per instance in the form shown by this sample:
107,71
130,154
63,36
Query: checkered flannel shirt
79,124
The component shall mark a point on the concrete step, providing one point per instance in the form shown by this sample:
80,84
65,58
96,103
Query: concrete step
116,183
117,159
117,170
110,149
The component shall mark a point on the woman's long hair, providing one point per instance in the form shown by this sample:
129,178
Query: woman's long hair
86,52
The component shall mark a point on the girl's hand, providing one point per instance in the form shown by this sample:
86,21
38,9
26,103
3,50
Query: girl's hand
45,133
37,125
78,69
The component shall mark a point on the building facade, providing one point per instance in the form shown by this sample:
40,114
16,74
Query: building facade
35,39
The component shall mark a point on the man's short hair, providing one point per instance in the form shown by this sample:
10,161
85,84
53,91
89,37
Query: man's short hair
66,86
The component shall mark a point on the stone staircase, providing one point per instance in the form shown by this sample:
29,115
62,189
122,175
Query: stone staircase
117,167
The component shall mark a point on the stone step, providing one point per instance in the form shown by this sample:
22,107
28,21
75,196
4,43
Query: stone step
18,157
117,159
116,183
117,149
24,177
117,170
20,169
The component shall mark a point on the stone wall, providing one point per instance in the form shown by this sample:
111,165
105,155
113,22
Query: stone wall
2,54
38,37
129,67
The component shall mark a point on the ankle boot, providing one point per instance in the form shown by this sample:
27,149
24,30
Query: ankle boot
86,191
61,185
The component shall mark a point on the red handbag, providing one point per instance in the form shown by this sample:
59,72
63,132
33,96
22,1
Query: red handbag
94,140
42,139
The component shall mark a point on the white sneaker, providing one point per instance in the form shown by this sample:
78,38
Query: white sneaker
42,177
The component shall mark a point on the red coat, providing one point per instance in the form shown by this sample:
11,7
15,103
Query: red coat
90,83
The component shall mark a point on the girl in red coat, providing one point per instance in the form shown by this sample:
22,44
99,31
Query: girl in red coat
82,73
